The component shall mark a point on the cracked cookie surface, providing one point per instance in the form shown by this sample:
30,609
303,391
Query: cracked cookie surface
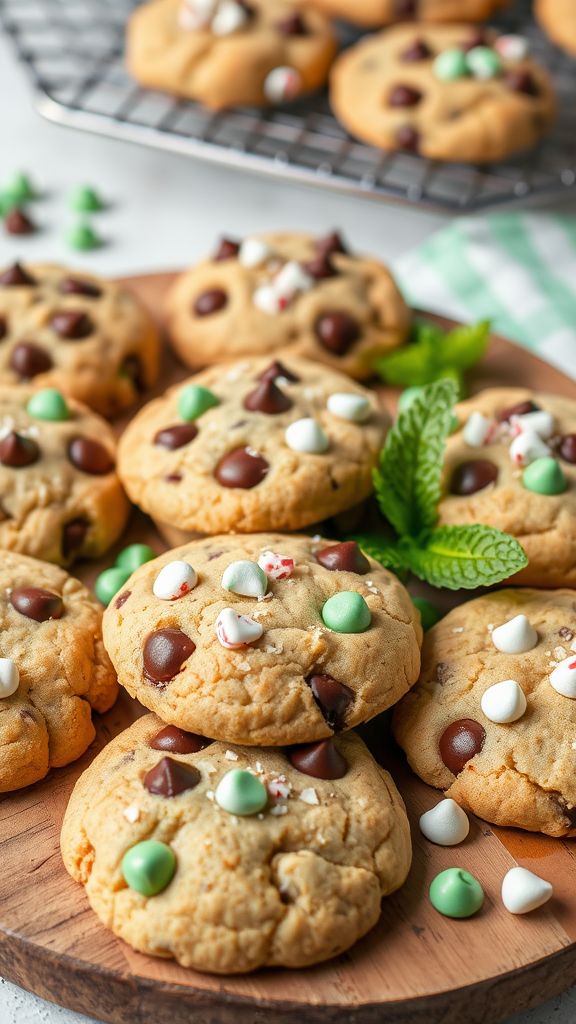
391,90
232,467
558,19
299,680
385,12
517,774
51,629
228,54
60,496
545,524
70,330
287,294
296,884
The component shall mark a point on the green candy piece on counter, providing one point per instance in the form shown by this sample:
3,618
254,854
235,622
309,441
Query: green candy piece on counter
83,238
456,893
346,612
109,582
450,65
48,404
135,555
429,614
149,867
240,792
195,400
483,62
544,476
18,190
85,199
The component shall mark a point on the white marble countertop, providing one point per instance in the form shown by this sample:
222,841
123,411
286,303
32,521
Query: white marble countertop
165,212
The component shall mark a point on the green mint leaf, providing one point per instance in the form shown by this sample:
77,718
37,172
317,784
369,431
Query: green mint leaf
383,551
464,346
407,481
465,557
415,363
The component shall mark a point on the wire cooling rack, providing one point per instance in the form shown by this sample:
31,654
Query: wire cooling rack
73,51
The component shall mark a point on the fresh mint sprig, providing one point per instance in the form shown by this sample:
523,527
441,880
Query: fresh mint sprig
408,486
434,354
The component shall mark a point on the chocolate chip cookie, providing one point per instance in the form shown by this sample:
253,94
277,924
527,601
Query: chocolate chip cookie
558,19
287,294
253,446
53,669
448,92
512,464
374,13
60,496
230,53
492,720
88,337
264,639
229,859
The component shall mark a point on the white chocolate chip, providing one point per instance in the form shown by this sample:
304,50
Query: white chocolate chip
348,406
267,300
9,677
523,891
229,17
515,636
446,824
174,580
231,756
478,430
512,47
504,702
563,678
306,435
292,279
246,578
527,447
281,84
253,252
538,422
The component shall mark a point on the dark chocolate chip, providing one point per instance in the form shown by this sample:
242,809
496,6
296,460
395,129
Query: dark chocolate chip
567,448
3,328
267,398
17,451
241,468
333,698
405,8
473,476
330,244
566,633
277,369
322,760
122,598
74,286
72,324
210,302
520,409
90,456
37,603
165,652
131,368
321,267
408,138
173,478
176,436
337,332
176,741
73,536
17,222
170,778
404,96
227,250
15,276
522,81
28,360
460,742
346,557
417,51
292,25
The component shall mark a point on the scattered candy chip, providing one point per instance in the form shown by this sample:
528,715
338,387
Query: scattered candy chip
523,891
563,678
515,636
82,237
446,824
135,555
240,792
347,406
527,447
281,84
246,578
85,199
456,893
174,580
504,702
234,631
109,582
9,677
306,435
478,430
253,252
276,567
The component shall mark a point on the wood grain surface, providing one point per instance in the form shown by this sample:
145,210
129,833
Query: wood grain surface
415,967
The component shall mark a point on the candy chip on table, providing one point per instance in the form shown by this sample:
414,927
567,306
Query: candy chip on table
478,430
515,636
253,252
245,578
539,422
504,702
347,406
281,84
446,824
9,677
276,567
229,17
563,678
174,580
306,435
527,447
235,631
523,891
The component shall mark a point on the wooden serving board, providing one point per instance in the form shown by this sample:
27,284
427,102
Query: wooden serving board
415,967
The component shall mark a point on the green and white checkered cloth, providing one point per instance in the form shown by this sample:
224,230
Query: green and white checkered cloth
516,269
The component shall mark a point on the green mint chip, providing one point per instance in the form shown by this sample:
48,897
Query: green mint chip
465,557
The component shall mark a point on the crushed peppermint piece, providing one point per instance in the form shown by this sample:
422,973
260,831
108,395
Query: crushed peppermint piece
210,794
131,813
231,756
279,788
309,796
